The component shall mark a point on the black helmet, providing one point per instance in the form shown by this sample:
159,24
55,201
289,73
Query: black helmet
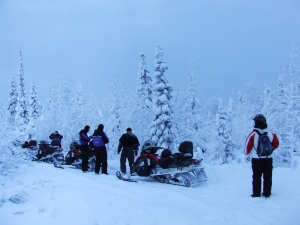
260,121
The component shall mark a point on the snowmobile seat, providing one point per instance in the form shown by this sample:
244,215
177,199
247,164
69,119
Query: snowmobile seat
166,162
186,150
166,153
25,144
55,144
32,144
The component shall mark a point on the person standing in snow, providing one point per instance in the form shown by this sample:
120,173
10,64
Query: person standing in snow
261,165
56,137
84,147
129,145
99,140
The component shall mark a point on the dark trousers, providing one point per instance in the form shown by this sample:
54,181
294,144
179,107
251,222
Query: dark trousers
262,167
101,159
127,153
84,149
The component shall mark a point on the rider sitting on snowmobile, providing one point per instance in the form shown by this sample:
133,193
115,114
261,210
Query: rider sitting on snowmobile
56,137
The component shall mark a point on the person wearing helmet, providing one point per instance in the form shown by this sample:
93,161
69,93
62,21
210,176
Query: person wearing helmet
261,165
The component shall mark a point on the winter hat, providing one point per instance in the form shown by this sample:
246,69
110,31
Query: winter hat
128,129
87,127
100,127
260,121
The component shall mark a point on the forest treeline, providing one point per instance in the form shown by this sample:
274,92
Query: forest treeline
217,127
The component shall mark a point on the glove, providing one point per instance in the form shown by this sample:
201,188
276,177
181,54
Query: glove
135,153
119,150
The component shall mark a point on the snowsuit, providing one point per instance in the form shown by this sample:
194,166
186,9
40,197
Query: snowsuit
56,137
261,165
130,144
100,152
84,148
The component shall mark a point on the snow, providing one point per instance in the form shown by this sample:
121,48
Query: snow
37,193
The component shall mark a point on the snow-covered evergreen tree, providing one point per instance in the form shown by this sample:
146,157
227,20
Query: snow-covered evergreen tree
223,121
22,109
161,128
33,103
144,85
281,122
143,110
13,101
117,121
293,71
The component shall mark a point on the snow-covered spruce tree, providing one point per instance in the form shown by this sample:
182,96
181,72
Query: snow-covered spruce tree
143,111
80,109
120,111
161,128
210,134
224,123
12,101
281,122
22,106
33,103
144,85
188,116
293,71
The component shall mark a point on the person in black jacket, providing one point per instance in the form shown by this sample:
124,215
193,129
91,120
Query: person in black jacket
84,147
129,145
56,137
99,140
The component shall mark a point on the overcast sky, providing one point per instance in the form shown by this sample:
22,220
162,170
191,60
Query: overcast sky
92,41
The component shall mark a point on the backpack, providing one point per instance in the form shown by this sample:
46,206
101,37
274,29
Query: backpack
264,147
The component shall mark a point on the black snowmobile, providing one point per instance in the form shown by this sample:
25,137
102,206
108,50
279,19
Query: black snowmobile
32,145
179,168
74,157
50,153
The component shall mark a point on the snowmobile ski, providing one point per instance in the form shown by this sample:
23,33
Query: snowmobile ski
119,175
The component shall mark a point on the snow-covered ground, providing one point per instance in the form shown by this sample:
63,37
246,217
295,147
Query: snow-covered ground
37,193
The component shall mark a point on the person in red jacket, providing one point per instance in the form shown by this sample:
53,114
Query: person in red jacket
261,165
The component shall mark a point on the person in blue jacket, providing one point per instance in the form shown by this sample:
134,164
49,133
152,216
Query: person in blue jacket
99,139
84,147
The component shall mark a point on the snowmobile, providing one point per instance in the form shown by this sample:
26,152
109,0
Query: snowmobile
50,153
178,168
74,157
32,145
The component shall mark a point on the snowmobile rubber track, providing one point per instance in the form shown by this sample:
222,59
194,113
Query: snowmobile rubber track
180,179
119,175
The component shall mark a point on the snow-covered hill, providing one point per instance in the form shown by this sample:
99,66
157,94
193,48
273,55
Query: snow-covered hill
37,193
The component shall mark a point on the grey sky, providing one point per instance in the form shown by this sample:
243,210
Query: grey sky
93,41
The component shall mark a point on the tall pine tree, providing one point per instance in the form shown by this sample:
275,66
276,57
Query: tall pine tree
13,101
34,106
22,109
161,128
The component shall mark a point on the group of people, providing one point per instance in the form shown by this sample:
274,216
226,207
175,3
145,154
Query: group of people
262,166
128,145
